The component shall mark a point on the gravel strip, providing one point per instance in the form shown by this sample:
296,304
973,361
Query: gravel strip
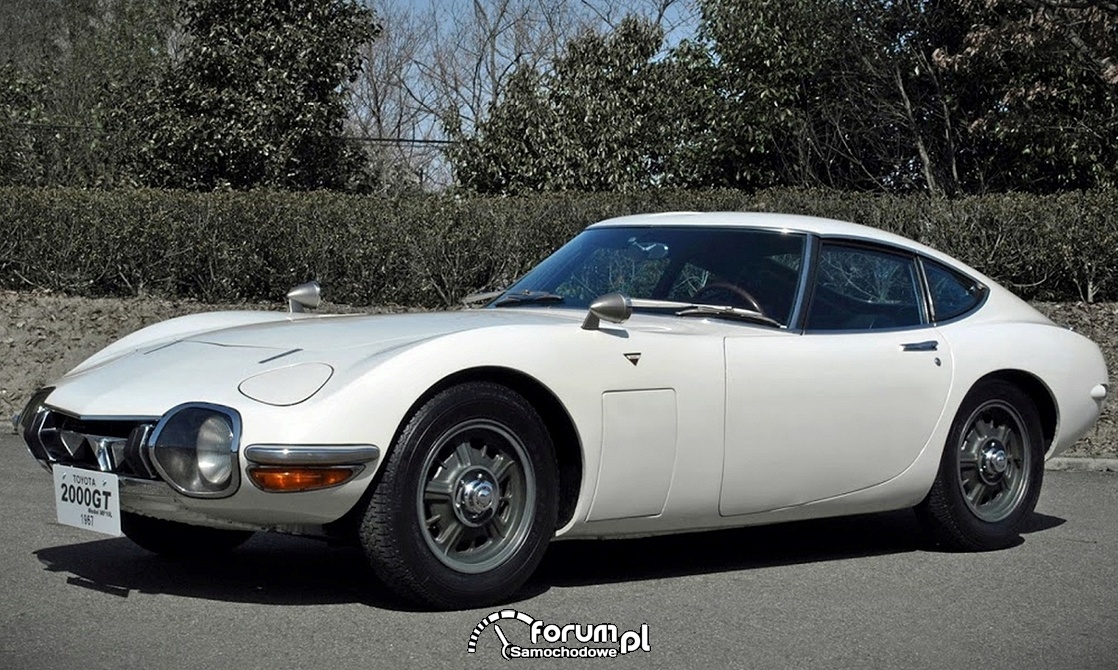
1082,464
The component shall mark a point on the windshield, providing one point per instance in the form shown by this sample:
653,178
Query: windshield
756,270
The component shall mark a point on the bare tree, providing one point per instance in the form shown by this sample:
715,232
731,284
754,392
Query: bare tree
443,64
389,102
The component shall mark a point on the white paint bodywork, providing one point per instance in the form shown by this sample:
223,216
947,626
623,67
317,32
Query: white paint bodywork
720,423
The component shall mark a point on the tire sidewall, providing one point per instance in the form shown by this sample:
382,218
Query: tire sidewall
979,533
409,456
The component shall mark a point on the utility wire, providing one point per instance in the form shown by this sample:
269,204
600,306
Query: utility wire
355,138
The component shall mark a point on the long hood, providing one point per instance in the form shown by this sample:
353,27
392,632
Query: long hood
223,364
370,333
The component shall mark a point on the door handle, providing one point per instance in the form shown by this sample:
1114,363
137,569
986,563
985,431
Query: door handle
928,345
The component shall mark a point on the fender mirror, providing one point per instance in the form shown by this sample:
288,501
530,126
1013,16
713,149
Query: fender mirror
612,307
304,296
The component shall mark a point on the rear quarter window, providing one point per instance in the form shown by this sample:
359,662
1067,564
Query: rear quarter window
952,293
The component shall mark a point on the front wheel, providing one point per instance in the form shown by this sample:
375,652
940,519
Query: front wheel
991,471
467,501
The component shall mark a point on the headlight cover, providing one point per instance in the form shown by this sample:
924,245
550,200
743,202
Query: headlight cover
194,448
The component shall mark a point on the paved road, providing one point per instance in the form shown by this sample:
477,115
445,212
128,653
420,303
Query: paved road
856,593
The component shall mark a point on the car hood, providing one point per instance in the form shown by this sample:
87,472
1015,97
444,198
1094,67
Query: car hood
370,333
219,364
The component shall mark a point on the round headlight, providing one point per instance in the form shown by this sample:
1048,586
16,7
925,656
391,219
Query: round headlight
194,448
214,446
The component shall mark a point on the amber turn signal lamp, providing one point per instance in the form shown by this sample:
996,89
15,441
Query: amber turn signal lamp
289,480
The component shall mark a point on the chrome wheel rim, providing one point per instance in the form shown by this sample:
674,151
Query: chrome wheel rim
476,496
995,458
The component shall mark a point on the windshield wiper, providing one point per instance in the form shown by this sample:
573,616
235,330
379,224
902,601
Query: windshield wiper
730,312
528,297
693,309
478,299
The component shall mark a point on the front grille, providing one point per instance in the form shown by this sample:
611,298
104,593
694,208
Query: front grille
108,445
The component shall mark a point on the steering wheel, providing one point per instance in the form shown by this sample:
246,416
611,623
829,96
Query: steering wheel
718,286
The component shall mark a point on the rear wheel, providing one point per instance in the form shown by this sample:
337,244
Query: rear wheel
467,501
180,540
991,471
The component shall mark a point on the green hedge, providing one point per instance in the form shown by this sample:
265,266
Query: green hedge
432,250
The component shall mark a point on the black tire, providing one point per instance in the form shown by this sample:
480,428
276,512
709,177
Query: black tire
180,540
980,499
467,501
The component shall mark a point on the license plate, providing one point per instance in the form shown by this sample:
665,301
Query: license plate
87,499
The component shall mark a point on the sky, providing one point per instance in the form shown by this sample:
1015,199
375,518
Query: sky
681,17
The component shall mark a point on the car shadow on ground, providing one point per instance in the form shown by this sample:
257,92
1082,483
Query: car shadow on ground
578,562
282,570
587,562
269,569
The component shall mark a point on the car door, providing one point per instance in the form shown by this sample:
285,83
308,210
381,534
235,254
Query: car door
850,402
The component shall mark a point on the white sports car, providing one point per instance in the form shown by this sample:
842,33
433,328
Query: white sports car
657,374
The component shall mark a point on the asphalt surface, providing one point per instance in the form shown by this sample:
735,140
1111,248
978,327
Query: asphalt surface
866,592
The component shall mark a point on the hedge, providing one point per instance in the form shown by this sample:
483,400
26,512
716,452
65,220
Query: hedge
432,250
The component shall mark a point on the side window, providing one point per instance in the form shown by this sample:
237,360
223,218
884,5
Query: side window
952,294
858,288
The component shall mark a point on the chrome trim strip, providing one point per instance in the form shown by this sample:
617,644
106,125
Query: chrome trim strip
123,418
306,454
885,246
925,291
145,488
100,417
929,345
802,296
158,500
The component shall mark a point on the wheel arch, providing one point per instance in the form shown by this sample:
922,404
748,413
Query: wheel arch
1038,392
560,426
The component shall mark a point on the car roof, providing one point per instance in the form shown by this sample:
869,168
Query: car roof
789,222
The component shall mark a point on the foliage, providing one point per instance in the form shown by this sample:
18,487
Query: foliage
257,98
18,105
433,250
64,70
1041,104
604,118
945,97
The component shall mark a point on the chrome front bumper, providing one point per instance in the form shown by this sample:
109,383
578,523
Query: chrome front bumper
158,500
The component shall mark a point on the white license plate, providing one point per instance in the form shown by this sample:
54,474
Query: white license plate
87,499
